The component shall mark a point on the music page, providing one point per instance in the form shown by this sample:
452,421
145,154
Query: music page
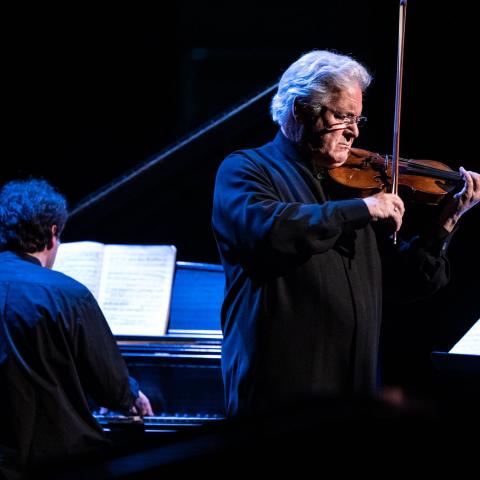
469,344
81,261
136,288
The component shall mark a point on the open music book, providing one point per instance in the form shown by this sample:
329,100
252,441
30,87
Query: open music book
132,283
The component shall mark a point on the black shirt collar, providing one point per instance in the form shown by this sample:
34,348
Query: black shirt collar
27,257
289,148
293,152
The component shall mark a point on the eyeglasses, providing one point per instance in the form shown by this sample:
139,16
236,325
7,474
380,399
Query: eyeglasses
346,119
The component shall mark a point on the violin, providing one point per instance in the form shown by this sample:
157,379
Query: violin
423,181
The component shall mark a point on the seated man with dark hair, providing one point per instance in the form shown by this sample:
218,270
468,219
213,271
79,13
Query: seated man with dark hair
56,349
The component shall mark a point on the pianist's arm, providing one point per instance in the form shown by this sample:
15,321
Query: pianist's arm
102,369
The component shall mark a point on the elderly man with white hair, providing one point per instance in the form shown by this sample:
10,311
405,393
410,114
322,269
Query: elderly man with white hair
303,305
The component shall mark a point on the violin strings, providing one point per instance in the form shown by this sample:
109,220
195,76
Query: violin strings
412,165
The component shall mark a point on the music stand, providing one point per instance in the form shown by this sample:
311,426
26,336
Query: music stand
458,370
464,357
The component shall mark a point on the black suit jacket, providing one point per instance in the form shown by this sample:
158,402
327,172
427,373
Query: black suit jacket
55,349
303,303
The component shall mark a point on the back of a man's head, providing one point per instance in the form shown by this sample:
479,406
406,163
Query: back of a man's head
28,210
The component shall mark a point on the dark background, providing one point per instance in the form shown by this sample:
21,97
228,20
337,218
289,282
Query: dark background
92,93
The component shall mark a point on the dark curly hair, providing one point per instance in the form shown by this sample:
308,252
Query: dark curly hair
28,210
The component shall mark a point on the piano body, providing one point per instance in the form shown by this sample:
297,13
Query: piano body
179,372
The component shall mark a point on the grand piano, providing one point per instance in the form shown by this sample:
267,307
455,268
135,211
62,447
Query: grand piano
167,200
179,372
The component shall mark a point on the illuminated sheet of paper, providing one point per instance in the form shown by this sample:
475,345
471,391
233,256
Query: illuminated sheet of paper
83,262
132,283
136,287
469,344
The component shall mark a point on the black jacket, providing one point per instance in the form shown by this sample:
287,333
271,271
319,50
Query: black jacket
302,310
60,350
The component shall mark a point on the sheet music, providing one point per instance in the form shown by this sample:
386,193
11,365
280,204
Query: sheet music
136,287
469,344
81,261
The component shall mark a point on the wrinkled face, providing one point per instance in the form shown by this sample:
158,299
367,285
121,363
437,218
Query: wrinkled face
335,129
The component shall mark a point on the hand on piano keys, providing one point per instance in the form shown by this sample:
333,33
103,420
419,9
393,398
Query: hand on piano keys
142,406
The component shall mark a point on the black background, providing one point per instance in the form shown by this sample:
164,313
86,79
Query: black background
93,92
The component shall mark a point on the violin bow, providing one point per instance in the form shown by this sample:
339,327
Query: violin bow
398,100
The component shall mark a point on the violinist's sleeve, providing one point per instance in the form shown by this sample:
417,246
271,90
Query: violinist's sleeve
418,267
250,219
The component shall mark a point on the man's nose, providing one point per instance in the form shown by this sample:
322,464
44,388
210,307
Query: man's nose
353,130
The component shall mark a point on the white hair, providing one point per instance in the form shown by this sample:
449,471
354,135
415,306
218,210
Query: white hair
313,79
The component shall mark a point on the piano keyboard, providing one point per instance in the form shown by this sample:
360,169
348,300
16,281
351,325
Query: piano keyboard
158,423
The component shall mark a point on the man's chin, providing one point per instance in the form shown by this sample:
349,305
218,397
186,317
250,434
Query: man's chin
331,162
337,162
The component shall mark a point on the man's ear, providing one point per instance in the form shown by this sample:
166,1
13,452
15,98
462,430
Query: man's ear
53,238
299,112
